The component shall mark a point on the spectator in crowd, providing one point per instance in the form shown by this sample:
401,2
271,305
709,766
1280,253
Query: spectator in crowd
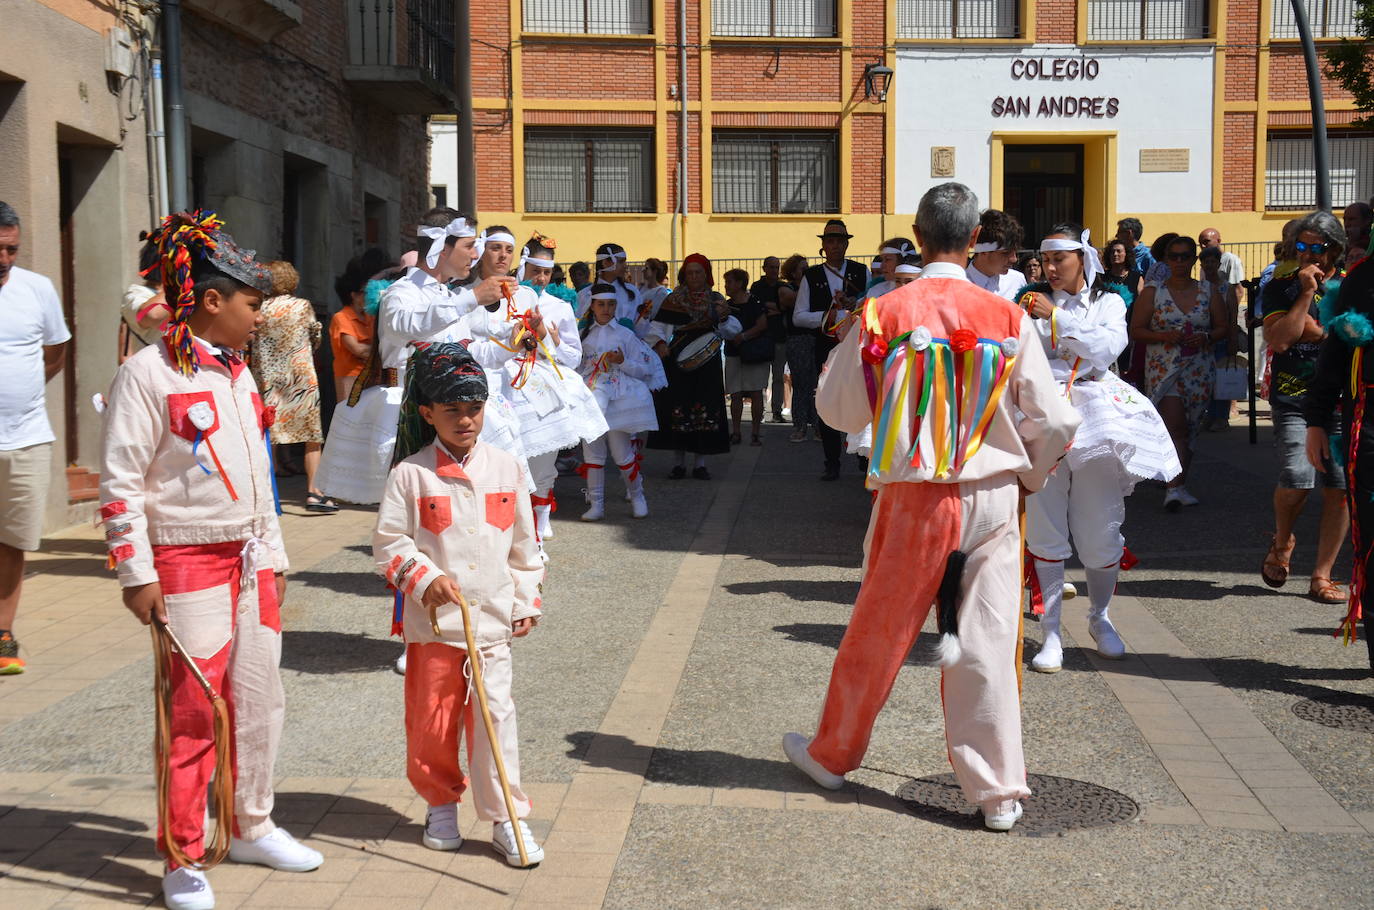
993,254
1232,269
1159,271
793,269
1209,262
352,328
1131,231
283,363
1180,319
33,348
559,278
829,292
1120,266
1029,265
653,289
1293,329
748,356
145,311
580,274
765,291
1357,219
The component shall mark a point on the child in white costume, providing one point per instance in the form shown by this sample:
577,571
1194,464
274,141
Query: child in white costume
553,407
622,373
1121,439
611,261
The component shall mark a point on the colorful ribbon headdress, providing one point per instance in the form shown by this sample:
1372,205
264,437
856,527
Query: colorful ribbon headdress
185,239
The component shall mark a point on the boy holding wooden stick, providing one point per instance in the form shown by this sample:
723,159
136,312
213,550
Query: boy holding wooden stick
455,523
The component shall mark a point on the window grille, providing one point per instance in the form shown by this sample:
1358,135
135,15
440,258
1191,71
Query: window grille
1328,18
573,170
771,172
927,19
588,17
1148,20
773,18
1290,174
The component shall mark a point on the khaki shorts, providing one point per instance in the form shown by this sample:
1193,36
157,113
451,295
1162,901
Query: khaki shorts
24,476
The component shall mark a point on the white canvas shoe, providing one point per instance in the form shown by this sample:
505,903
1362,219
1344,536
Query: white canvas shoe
277,850
1188,499
794,746
503,842
1001,815
1109,643
401,664
441,828
187,889
1050,657
1070,592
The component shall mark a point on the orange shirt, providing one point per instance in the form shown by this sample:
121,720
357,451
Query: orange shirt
349,322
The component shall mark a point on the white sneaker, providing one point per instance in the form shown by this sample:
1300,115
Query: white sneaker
441,828
1109,643
503,842
639,508
1070,592
277,850
1172,500
1000,815
794,746
401,664
596,512
542,525
187,889
1050,658
1188,499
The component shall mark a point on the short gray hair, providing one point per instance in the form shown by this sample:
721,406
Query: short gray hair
1323,224
946,217
9,218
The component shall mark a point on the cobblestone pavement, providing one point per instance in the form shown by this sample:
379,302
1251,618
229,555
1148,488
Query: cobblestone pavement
675,653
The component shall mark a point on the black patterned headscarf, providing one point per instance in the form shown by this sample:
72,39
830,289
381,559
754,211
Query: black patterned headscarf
438,373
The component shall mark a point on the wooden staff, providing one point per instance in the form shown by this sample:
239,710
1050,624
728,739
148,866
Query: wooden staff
476,665
165,643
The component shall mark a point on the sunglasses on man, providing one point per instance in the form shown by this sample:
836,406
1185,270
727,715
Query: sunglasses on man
1316,249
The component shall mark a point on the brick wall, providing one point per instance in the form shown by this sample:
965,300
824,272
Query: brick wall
750,73
614,71
694,175
493,142
1288,76
491,39
1056,21
868,159
1238,187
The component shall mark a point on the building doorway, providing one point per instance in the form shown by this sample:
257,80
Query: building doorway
1042,185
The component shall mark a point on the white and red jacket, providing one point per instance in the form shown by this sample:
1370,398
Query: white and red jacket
184,461
470,521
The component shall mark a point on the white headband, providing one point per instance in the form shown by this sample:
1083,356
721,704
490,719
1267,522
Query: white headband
987,247
1092,263
613,256
439,235
500,237
526,259
907,268
894,251
603,297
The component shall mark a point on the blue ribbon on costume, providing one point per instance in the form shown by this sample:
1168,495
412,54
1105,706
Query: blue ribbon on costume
200,434
272,467
398,614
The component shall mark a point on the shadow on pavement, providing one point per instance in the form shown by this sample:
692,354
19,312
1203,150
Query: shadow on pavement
829,634
835,592
310,651
86,847
1190,589
363,583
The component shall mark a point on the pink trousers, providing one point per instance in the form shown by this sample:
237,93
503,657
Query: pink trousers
911,533
233,631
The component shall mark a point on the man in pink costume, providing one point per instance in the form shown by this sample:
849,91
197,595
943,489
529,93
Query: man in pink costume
966,420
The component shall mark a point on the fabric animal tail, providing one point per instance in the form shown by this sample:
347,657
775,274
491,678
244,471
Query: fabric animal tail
947,609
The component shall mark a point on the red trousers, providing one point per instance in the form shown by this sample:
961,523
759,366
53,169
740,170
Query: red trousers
233,632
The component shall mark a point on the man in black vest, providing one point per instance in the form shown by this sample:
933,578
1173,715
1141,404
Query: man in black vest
828,291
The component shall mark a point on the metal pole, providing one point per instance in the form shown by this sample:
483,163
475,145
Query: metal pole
175,106
467,153
1314,88
682,113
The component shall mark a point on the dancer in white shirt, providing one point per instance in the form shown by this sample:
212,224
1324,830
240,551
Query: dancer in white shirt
995,252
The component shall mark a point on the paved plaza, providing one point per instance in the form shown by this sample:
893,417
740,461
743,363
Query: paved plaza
674,654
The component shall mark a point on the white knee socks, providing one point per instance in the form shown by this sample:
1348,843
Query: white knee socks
1050,575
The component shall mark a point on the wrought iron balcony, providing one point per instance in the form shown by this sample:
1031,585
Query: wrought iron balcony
401,54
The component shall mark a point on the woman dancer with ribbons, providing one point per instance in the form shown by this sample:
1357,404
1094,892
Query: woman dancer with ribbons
1080,319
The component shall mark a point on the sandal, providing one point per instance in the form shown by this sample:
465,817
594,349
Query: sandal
756,441
314,502
1325,591
735,439
1274,570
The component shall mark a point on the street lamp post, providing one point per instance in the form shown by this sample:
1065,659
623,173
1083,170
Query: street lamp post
1314,87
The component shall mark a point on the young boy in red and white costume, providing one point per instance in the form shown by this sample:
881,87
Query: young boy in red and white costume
456,519
949,477
191,524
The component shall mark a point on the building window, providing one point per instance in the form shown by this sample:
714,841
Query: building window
1290,176
927,19
574,170
1147,20
768,172
440,194
1328,18
588,17
773,18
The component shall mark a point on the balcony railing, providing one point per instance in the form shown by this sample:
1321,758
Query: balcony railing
401,54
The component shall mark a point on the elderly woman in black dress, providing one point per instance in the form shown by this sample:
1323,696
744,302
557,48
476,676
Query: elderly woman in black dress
691,410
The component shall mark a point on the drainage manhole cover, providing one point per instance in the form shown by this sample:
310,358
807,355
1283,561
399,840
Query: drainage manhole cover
1058,805
1342,710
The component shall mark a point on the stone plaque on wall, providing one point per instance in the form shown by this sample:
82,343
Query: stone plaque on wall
1160,161
942,161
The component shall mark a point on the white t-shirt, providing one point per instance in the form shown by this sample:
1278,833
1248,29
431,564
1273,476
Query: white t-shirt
30,317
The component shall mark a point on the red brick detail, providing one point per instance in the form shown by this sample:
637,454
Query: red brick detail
492,140
1288,77
694,174
1238,176
867,161
776,120
590,118
753,73
615,72
1056,22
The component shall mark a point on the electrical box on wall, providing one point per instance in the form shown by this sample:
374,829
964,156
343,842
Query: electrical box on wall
119,52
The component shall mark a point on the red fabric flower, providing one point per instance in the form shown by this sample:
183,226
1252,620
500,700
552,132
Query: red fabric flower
961,340
269,417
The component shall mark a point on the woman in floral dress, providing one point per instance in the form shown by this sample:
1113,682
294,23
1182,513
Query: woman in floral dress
283,363
1180,320
691,410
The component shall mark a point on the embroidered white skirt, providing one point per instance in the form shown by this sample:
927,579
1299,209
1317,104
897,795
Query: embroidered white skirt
1120,423
357,454
554,413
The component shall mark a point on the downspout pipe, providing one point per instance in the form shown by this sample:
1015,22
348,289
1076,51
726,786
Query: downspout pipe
683,121
1320,159
175,106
